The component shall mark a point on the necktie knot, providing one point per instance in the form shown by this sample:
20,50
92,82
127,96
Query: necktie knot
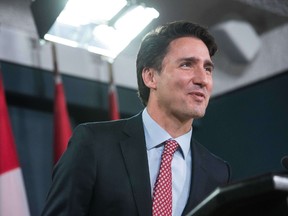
170,147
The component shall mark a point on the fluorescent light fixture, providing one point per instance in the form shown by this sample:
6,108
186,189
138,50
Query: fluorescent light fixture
83,12
104,27
136,20
61,40
125,29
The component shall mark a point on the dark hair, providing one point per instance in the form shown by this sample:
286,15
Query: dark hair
155,46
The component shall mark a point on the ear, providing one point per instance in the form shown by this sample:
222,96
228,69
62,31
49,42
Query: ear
149,77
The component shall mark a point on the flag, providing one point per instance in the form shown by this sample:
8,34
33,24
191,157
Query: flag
62,126
13,200
112,94
113,102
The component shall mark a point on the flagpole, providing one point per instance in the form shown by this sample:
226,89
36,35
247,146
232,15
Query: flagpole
110,68
112,94
57,76
62,125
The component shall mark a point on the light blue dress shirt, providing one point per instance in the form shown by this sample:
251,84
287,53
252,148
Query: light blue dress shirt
181,163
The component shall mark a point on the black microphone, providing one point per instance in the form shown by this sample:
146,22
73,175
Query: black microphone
284,162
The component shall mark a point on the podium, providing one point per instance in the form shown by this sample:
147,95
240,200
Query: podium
265,195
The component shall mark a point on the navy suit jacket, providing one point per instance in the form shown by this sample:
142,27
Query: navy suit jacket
104,171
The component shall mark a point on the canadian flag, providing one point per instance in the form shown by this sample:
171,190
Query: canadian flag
13,201
113,103
62,126
112,96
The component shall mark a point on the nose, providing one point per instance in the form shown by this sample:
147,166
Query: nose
201,77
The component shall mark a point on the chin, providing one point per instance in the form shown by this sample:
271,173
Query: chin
198,110
198,114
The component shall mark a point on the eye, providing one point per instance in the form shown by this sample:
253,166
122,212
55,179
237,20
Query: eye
209,69
186,65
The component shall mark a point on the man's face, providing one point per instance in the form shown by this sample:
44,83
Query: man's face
184,85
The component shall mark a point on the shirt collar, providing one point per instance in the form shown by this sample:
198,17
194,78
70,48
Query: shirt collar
155,135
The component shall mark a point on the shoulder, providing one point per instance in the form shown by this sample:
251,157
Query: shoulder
209,161
89,140
204,152
107,126
107,131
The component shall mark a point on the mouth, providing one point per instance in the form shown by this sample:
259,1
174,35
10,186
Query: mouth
198,96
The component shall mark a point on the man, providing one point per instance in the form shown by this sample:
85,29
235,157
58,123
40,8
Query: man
110,168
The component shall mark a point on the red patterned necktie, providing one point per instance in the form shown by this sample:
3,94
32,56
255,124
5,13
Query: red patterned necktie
162,193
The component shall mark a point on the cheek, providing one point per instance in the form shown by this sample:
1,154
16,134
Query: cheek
174,83
210,86
181,82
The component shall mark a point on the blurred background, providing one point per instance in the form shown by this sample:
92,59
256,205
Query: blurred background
246,122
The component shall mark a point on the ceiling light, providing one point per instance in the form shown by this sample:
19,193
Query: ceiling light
105,27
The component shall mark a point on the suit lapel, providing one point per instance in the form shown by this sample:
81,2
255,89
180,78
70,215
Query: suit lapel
199,177
135,157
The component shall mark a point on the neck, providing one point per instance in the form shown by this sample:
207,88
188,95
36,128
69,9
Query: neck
170,123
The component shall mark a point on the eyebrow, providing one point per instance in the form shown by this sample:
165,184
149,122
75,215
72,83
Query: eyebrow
195,59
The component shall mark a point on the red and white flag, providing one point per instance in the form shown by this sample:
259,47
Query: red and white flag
62,126
113,103
13,200
112,95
